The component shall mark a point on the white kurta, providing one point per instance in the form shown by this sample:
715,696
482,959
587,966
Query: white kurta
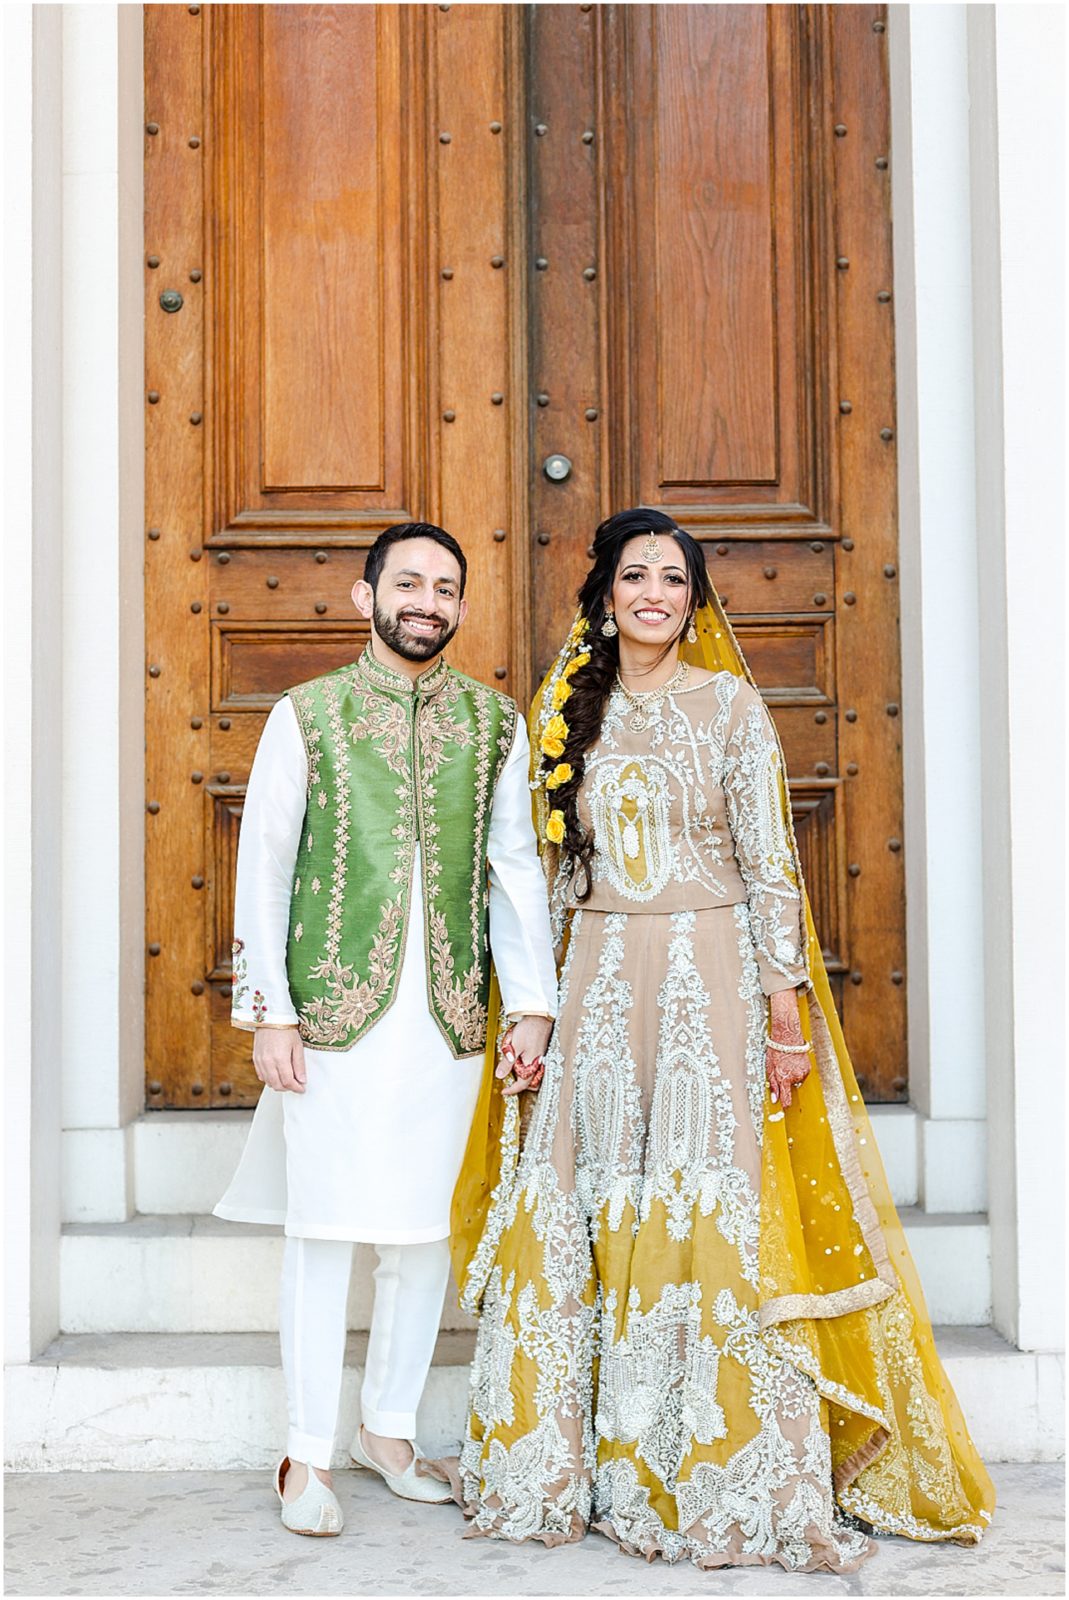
372,1149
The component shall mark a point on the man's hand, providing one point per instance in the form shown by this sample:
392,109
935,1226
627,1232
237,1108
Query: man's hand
522,1050
278,1056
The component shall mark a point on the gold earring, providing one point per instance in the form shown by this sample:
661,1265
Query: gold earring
608,627
692,633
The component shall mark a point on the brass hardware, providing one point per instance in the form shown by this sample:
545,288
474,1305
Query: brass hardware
847,544
586,7
196,418
542,399
226,991
196,607
196,722
851,716
224,558
590,556
724,601
224,1089
884,296
499,535
541,263
152,261
896,977
892,710
154,397
849,598
854,869
886,434
196,1088
155,1088
447,273
898,1083
497,261
154,949
194,11
495,127
840,130
196,988
851,769
222,777
588,136
272,582
501,672
445,138
770,572
496,398
224,723
194,143
855,978
195,555
845,407
543,538
880,27
154,533
590,414
321,607
894,845
223,607
722,549
590,273
197,882
196,275
556,468
449,416
816,545
889,571
152,806
154,671
540,130
820,599
842,262
321,556
152,127
821,717
196,777
881,163
822,769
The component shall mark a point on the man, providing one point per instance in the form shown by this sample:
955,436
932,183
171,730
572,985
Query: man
386,841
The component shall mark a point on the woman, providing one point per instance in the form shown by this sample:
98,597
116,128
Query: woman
692,1333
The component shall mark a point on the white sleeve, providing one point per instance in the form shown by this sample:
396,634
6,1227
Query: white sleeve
271,823
520,939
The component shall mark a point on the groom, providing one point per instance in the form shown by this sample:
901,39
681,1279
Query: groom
386,852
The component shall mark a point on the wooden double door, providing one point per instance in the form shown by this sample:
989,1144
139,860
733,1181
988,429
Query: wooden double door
509,268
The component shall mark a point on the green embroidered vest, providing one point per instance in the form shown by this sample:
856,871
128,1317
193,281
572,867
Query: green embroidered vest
393,764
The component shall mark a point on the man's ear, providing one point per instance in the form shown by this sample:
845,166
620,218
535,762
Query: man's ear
462,611
364,598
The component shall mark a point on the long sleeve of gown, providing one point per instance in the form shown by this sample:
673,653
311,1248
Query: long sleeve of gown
751,780
271,823
520,939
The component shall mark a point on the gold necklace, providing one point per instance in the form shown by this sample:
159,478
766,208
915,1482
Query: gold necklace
638,721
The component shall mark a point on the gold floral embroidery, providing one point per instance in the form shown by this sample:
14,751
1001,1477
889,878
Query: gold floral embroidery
349,1001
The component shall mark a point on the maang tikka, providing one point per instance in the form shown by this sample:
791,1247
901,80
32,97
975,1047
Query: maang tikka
651,550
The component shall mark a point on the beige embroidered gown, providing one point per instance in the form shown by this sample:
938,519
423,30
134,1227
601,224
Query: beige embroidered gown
620,1379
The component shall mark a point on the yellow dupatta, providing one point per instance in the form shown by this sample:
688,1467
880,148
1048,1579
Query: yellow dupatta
839,1294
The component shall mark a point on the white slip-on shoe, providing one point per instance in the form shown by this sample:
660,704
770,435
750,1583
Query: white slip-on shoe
315,1511
409,1484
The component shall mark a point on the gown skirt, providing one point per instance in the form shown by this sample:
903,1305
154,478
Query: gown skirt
621,1380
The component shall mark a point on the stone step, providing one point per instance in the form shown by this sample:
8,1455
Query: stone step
175,1402
184,1160
199,1274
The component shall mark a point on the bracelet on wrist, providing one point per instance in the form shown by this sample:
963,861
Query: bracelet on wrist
787,1049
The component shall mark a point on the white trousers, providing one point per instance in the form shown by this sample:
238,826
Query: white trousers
410,1284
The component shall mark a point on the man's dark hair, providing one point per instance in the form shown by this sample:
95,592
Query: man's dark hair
376,556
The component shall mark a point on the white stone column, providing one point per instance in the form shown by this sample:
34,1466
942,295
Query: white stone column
941,707
103,628
32,673
1016,60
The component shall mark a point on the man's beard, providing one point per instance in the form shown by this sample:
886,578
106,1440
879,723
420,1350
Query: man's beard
392,633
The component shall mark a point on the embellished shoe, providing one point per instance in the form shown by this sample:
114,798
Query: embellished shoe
315,1511
409,1484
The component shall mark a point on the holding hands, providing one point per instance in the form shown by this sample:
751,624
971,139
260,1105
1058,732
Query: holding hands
522,1050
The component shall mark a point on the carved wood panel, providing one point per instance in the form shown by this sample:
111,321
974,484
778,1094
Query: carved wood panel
422,248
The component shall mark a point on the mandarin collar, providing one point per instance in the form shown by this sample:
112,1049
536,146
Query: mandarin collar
384,677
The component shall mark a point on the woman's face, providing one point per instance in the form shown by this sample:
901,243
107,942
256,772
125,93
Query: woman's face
650,599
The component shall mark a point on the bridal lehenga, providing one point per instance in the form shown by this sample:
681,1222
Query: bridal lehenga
701,1331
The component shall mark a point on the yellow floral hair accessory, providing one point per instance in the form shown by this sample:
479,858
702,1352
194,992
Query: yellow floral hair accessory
554,734
562,690
555,827
560,774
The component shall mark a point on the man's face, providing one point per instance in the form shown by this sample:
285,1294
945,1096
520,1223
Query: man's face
416,608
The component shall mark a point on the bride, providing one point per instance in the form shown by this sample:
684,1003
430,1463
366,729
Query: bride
701,1332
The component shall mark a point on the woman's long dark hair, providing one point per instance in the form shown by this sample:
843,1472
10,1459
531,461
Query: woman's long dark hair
592,684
